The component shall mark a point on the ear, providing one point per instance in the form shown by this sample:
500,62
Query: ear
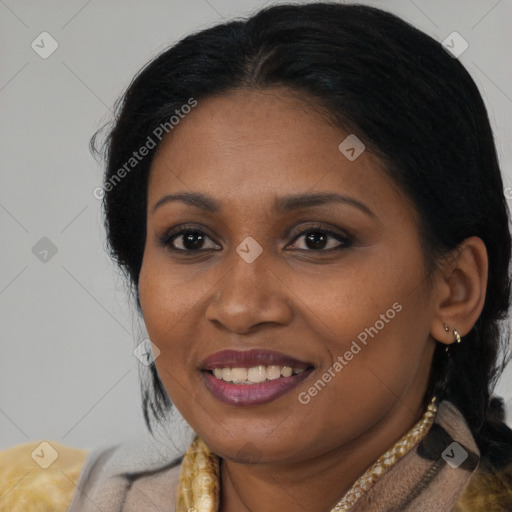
459,294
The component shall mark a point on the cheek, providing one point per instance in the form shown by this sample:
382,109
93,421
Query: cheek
168,302
372,364
166,296
376,320
368,298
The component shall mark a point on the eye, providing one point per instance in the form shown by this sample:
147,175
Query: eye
190,239
322,240
186,239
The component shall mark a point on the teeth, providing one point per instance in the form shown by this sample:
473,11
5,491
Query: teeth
256,374
239,375
286,371
273,372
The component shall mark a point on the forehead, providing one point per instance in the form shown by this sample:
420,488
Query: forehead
268,126
249,144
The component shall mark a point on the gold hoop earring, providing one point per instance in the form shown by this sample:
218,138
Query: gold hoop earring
456,337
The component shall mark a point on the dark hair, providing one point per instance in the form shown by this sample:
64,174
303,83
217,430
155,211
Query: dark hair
412,104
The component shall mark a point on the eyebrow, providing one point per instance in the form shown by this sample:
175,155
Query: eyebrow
281,204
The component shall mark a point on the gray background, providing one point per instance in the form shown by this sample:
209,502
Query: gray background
67,371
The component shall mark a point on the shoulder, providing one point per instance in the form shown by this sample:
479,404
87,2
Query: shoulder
39,475
124,475
489,489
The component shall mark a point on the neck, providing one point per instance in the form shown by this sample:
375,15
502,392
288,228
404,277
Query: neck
314,484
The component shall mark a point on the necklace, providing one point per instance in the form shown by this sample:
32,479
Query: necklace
199,479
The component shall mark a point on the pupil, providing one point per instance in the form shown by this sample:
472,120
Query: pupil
189,240
316,239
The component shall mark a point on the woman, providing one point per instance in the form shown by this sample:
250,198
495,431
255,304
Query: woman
309,208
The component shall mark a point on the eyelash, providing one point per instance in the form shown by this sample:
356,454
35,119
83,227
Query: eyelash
168,238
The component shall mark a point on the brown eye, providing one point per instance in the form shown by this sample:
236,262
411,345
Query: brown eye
316,239
186,240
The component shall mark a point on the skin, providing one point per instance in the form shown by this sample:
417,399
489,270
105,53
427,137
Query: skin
244,149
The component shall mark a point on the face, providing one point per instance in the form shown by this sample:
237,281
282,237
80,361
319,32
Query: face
286,292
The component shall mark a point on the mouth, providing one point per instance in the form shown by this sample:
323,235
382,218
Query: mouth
252,377
255,374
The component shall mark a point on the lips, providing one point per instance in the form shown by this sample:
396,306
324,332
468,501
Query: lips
229,375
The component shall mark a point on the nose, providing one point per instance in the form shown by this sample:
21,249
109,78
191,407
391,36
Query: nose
249,295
